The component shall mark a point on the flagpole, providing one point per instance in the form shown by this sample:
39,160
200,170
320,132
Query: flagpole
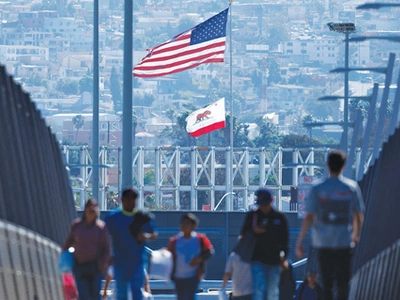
230,203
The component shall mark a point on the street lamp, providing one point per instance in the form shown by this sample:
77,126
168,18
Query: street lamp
223,197
346,29
377,5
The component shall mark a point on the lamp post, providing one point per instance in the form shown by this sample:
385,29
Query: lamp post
223,197
377,5
346,29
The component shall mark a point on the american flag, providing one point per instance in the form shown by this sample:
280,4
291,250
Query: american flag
204,43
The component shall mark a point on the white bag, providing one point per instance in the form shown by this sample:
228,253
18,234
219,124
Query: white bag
161,265
147,295
222,295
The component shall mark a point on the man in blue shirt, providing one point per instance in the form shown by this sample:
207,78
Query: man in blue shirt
335,212
128,250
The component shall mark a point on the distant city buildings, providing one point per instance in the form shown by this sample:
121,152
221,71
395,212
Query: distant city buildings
282,54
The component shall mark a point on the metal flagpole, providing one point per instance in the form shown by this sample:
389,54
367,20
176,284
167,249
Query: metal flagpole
230,202
95,119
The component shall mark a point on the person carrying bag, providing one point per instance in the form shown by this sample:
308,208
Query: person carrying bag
90,239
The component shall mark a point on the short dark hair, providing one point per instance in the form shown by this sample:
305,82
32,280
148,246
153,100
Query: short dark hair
129,192
190,217
336,160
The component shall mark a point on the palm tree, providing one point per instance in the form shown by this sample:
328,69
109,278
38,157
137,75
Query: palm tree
78,122
308,119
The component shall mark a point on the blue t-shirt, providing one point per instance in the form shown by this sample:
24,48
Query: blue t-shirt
126,251
186,250
333,203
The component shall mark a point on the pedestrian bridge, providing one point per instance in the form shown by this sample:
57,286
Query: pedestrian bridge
37,207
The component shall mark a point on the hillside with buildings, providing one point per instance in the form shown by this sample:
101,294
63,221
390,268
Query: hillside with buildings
282,52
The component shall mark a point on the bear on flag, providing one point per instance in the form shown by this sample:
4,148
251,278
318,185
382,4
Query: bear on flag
207,119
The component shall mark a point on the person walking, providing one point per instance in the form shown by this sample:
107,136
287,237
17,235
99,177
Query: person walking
129,230
335,213
240,272
270,233
89,237
190,250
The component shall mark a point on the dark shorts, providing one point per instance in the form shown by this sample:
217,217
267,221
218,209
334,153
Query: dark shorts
245,297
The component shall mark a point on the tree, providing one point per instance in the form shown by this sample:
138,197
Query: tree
145,100
68,87
78,122
115,89
308,119
268,134
176,134
86,84
170,113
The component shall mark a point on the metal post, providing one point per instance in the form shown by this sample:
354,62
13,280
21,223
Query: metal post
368,128
346,95
157,177
95,119
193,177
127,97
230,186
212,173
357,132
396,105
380,133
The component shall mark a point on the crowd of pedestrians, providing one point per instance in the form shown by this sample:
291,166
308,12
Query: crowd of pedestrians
258,265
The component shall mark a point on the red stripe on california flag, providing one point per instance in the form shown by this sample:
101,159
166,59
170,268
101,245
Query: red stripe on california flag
208,129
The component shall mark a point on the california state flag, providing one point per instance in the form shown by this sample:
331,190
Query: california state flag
206,119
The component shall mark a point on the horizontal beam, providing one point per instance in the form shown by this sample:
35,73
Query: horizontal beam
334,98
364,38
320,124
344,70
377,5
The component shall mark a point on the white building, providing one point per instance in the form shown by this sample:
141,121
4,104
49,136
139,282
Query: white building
323,49
15,52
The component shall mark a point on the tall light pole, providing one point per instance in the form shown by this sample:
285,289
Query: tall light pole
346,29
127,118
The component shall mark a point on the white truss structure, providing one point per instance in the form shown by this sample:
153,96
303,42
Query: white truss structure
192,173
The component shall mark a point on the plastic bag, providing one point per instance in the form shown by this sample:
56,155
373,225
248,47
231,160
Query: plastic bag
69,287
147,295
222,295
160,264
66,261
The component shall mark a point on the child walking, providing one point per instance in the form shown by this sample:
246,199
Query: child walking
189,250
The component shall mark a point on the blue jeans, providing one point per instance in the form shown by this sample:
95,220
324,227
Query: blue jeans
265,281
129,277
88,288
